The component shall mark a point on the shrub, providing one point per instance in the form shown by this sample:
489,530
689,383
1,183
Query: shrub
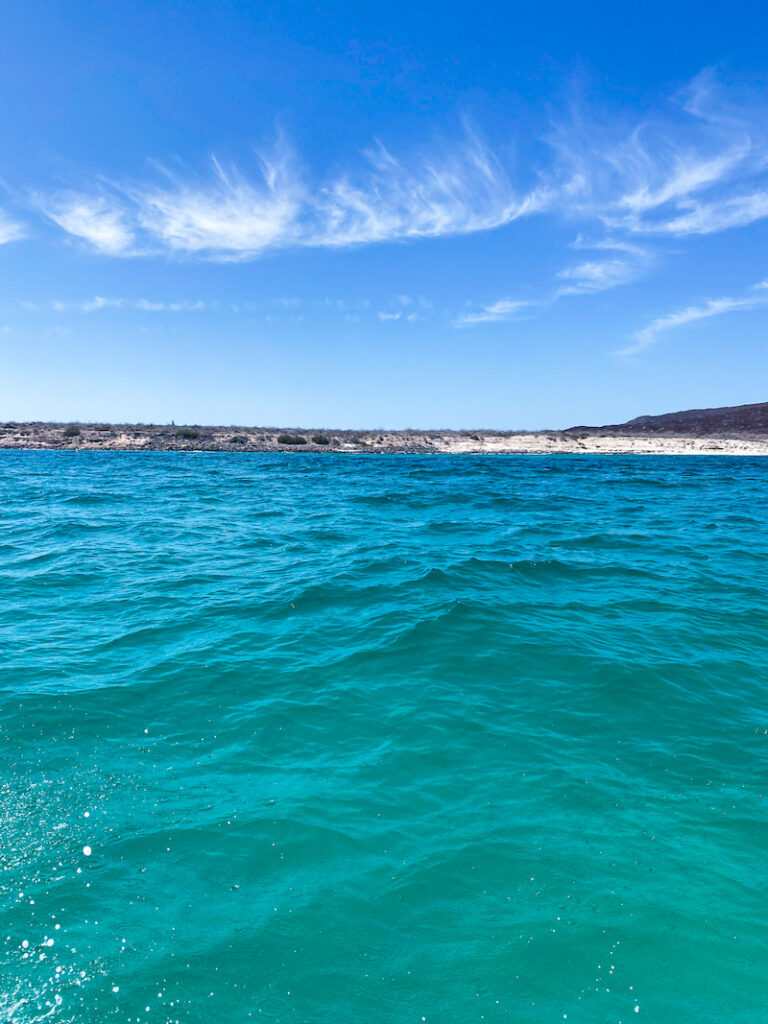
291,439
189,435
320,439
71,431
102,427
237,439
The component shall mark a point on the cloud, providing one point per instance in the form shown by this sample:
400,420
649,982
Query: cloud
504,309
10,230
459,192
689,173
693,166
95,219
707,218
584,278
228,216
99,302
389,316
596,276
696,163
711,307
169,307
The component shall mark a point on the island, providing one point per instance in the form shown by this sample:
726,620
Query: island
730,430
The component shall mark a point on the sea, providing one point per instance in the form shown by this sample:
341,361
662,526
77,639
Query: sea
371,739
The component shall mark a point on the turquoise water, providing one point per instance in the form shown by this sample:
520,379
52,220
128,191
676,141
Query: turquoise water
383,739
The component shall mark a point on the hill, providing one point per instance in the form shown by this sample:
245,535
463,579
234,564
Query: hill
730,420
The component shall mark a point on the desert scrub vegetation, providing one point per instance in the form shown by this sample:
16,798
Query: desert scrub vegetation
237,439
71,431
320,439
291,439
188,435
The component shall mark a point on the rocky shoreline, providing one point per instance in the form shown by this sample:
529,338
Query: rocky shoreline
150,437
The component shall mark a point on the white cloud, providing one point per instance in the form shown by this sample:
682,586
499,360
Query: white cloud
96,219
504,309
10,230
694,165
168,307
389,316
99,302
227,215
707,218
712,307
599,275
584,278
459,192
689,173
596,276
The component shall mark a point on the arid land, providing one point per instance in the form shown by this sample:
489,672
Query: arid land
145,437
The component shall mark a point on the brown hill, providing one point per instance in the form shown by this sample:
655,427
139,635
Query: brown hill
731,420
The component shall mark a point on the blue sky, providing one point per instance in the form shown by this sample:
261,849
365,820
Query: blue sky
490,215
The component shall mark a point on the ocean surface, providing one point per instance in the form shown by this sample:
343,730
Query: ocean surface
383,740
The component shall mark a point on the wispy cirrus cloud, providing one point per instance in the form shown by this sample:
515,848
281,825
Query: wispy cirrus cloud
649,335
695,164
504,309
100,302
225,214
10,230
596,276
626,262
457,192
98,220
228,216
696,218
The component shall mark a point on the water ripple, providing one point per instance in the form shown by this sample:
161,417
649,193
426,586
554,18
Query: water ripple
354,738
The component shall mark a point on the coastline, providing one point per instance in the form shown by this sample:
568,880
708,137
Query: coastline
147,437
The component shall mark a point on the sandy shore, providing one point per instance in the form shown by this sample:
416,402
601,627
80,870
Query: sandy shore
596,444
148,437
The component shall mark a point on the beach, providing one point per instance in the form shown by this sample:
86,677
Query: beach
147,437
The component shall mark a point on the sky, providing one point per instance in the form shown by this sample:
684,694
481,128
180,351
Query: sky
498,215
